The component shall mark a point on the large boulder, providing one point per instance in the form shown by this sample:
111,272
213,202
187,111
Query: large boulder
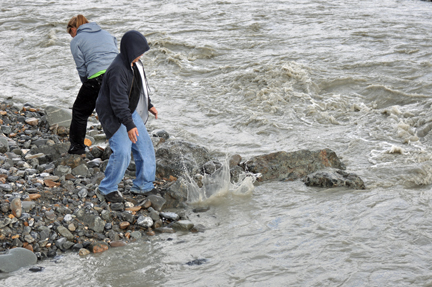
174,158
289,166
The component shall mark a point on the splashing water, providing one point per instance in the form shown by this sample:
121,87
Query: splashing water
218,184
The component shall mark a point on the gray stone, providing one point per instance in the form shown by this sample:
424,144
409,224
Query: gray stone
62,170
59,116
334,178
65,232
176,194
6,187
157,201
182,225
170,216
161,134
136,235
81,170
144,221
173,158
289,166
83,193
154,214
16,258
4,222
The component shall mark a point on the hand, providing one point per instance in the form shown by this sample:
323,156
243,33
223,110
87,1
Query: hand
154,112
133,135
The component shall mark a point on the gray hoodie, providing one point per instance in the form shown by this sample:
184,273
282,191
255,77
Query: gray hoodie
93,50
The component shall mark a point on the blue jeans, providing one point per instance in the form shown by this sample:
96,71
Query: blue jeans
144,156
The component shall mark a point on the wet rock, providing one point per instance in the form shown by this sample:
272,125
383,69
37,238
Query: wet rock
36,269
172,157
83,252
170,216
196,262
117,243
176,194
165,230
234,161
334,178
161,134
117,206
182,225
290,166
136,235
16,258
198,228
98,247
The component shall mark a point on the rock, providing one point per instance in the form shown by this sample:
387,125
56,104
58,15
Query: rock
144,221
176,194
198,228
117,243
197,262
124,225
16,207
65,233
81,170
58,116
165,230
234,160
4,222
83,252
136,235
182,225
170,216
161,134
16,258
98,247
157,202
334,178
27,205
36,269
62,170
290,166
94,222
172,157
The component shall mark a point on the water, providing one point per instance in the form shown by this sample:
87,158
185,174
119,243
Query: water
253,77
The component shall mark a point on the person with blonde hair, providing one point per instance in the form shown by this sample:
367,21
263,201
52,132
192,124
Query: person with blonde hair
93,50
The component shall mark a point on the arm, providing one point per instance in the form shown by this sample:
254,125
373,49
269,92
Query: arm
79,61
119,98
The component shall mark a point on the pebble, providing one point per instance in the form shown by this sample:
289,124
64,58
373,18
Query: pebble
16,207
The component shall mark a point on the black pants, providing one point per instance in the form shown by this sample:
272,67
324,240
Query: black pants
82,109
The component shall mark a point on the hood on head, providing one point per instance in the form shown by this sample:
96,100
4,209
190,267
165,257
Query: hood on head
89,28
132,45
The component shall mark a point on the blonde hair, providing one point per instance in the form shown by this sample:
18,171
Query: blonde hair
76,21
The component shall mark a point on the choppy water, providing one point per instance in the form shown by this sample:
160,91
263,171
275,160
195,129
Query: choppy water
253,77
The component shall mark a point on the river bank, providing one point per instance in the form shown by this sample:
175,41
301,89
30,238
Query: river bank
48,199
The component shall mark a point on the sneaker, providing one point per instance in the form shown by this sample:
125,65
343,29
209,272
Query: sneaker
76,149
114,197
149,192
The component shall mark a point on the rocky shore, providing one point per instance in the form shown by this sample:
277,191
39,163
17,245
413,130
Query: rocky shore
48,203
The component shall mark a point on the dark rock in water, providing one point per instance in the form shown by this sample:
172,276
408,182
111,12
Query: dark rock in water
334,178
36,269
161,134
290,166
197,262
16,258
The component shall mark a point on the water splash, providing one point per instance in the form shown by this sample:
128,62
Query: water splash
218,184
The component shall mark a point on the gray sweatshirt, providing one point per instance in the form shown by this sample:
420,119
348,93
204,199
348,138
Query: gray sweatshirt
93,50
